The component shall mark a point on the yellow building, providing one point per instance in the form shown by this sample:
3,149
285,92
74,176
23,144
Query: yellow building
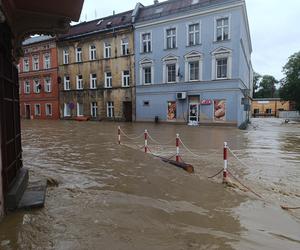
267,107
96,70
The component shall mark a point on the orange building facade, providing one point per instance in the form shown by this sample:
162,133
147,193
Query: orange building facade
38,79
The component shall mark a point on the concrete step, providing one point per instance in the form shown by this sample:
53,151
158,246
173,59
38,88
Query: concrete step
16,192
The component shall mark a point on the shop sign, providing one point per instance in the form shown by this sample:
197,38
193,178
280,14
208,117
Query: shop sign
206,102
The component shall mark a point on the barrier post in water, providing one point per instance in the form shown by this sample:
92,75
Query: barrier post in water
225,156
119,135
177,147
146,141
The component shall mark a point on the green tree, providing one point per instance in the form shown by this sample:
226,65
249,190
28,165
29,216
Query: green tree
256,80
267,87
290,86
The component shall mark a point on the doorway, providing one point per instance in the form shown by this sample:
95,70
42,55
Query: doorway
194,112
27,111
127,111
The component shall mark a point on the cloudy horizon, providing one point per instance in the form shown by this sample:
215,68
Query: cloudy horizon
272,23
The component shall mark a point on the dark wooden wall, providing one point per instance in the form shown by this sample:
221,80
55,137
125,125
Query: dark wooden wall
10,133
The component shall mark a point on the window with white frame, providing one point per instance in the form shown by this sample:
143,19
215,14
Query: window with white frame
36,86
125,78
79,109
146,42
193,66
194,34
25,64
48,85
125,47
171,42
110,109
222,29
107,50
67,110
66,56
94,109
67,85
108,80
93,81
222,64
47,61
93,55
48,108
170,69
79,82
78,54
37,110
27,87
146,72
35,63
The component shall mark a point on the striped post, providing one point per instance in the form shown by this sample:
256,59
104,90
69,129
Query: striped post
177,147
225,154
119,135
146,141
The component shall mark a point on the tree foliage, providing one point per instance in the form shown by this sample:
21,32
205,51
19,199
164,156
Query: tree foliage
290,86
265,86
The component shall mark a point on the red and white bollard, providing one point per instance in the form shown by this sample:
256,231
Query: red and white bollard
146,141
225,154
177,148
119,135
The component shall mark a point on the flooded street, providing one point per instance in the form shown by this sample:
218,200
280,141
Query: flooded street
116,197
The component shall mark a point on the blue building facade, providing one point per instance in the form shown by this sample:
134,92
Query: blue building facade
193,62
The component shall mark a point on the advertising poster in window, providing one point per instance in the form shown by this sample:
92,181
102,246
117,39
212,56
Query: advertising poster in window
220,110
171,111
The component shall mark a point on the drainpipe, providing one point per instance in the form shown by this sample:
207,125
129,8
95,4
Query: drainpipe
1,182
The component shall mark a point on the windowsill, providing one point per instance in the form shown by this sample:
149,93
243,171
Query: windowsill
126,87
93,88
191,81
220,79
222,41
195,45
145,53
67,89
171,82
147,84
79,89
107,87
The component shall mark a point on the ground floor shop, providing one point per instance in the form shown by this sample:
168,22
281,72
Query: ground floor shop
193,106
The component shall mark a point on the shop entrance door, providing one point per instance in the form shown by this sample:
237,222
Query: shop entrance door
194,112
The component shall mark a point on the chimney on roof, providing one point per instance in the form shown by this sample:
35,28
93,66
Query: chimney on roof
156,2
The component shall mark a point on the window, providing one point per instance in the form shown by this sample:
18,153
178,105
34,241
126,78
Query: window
25,64
108,80
94,109
67,83
79,82
79,109
146,46
256,111
194,34
110,110
125,78
37,109
48,108
146,72
193,66
222,29
146,103
47,61
171,73
67,110
48,85
37,86
194,71
170,69
171,38
107,50
78,55
269,111
27,87
93,81
66,56
222,64
35,63
93,52
124,47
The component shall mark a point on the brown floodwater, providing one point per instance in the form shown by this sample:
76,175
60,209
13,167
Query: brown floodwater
117,197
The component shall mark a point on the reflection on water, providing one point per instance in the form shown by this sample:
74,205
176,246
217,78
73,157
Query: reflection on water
116,197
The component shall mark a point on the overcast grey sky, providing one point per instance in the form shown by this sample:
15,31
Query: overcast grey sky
274,26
